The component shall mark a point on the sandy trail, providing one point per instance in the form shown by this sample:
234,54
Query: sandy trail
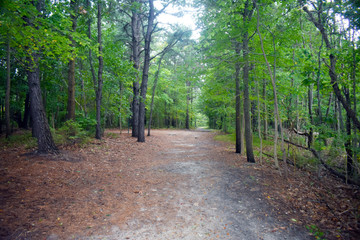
199,194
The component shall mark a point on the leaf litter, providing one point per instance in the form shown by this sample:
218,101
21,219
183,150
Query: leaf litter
179,185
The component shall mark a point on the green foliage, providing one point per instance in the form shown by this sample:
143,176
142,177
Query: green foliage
18,139
71,132
316,232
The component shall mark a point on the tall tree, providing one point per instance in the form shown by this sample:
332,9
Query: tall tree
71,71
99,132
247,15
136,50
8,86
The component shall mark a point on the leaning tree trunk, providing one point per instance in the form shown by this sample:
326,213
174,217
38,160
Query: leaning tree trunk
39,121
332,68
145,76
277,118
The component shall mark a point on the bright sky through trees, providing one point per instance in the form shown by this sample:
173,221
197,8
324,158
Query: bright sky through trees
177,15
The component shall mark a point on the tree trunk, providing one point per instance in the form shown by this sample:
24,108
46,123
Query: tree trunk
7,95
98,132
153,93
276,110
135,45
39,121
318,83
245,49
310,101
26,118
259,118
348,145
237,99
265,110
71,71
187,119
145,76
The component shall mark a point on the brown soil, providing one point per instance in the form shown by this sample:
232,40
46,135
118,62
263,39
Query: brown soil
177,185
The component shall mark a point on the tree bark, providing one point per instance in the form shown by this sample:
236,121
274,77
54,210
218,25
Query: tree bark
135,45
26,118
98,132
238,102
71,71
39,121
259,118
348,145
145,76
247,14
8,86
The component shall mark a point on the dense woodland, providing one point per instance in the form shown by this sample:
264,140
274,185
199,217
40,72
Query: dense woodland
284,71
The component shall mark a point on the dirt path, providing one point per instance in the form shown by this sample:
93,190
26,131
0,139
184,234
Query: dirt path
199,193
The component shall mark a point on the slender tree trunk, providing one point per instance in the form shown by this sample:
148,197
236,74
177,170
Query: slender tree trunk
98,132
348,145
26,118
318,83
187,119
39,121
7,95
276,110
310,101
259,118
265,110
120,106
329,105
153,93
238,103
71,71
145,76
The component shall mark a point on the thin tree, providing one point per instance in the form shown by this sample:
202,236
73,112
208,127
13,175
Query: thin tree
8,86
277,119
237,100
153,92
98,132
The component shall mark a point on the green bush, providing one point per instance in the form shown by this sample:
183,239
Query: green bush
71,132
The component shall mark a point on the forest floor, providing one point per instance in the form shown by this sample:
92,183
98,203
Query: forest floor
177,185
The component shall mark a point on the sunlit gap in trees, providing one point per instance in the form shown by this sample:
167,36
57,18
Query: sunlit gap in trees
179,15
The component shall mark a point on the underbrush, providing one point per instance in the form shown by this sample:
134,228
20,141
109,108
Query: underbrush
70,133
334,154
